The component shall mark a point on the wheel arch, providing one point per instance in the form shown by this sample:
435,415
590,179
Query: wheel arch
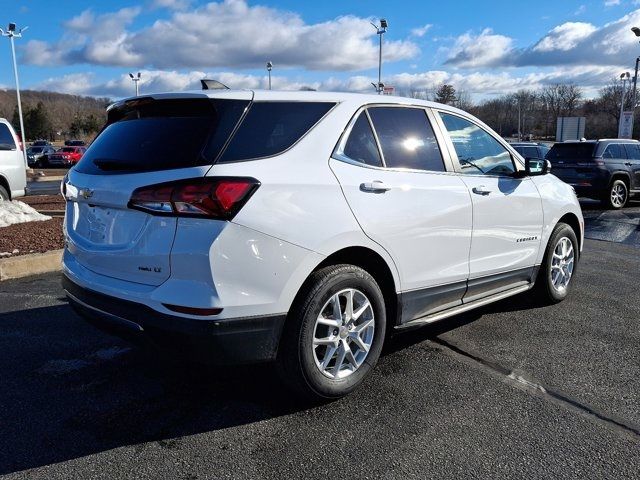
620,175
376,265
572,220
5,183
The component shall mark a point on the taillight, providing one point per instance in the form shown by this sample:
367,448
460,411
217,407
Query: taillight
208,197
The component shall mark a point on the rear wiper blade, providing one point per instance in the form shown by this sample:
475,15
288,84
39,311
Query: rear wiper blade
110,165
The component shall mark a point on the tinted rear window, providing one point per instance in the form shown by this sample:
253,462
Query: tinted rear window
35,149
272,127
149,135
571,152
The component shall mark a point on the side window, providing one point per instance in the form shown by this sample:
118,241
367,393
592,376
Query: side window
530,152
406,138
614,150
6,139
271,127
543,149
478,152
633,151
361,145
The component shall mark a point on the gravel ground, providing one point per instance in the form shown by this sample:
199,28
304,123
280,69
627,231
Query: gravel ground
32,237
44,202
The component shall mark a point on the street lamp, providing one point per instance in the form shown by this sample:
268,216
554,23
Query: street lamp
624,77
380,30
11,33
636,32
269,67
135,79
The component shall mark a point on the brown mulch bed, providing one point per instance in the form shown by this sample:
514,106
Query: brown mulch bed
32,237
44,202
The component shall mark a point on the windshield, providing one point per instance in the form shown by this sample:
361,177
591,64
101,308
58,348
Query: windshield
35,150
571,152
150,135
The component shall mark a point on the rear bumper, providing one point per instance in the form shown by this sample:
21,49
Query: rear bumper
214,341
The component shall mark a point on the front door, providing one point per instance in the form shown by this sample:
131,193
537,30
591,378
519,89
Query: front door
395,181
507,211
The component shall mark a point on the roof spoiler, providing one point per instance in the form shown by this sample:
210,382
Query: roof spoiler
208,84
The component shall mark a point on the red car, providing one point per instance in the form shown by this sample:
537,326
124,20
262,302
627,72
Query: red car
67,156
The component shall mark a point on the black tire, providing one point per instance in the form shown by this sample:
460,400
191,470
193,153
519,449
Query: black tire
545,292
296,362
611,198
4,195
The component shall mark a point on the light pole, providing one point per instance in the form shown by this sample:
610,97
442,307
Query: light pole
624,77
636,32
11,33
269,67
135,79
380,30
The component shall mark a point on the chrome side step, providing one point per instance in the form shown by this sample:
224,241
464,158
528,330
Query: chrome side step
464,307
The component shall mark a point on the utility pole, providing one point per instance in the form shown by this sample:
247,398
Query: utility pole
624,77
11,33
519,121
269,68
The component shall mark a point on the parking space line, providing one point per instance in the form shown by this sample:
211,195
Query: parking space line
521,381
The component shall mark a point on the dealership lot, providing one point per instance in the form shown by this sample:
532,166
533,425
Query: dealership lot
503,392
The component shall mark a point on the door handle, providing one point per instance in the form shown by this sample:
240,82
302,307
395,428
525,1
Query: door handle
481,190
374,187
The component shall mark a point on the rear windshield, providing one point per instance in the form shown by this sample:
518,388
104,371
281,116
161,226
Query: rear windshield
150,135
68,150
35,149
571,152
272,127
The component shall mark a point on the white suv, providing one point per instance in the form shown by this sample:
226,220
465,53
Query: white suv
303,227
13,174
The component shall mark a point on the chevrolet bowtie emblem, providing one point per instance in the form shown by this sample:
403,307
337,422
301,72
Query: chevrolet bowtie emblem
86,193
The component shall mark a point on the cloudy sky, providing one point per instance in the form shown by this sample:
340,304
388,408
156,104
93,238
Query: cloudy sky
484,48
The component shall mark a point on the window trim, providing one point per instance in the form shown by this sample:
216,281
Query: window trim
338,151
515,156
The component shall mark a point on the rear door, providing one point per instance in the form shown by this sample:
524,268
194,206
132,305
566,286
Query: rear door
146,141
507,211
633,162
395,180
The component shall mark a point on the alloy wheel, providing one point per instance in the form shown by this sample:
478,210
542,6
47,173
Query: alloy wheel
562,264
619,195
343,333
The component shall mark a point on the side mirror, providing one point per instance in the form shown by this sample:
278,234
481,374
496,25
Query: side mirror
537,166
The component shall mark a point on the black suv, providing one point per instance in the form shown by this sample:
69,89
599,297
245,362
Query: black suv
607,170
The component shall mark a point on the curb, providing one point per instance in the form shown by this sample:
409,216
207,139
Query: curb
57,178
32,264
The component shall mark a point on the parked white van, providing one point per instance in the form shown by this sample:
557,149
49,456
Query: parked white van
13,175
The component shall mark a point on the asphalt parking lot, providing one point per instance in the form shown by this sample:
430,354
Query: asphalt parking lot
510,391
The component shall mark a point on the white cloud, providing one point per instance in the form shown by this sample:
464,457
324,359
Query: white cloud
171,4
485,49
227,34
477,83
565,37
421,31
571,43
611,3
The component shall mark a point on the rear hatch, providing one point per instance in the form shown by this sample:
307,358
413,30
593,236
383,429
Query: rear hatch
147,140
573,162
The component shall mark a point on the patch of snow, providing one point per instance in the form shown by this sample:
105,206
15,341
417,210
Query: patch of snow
12,212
